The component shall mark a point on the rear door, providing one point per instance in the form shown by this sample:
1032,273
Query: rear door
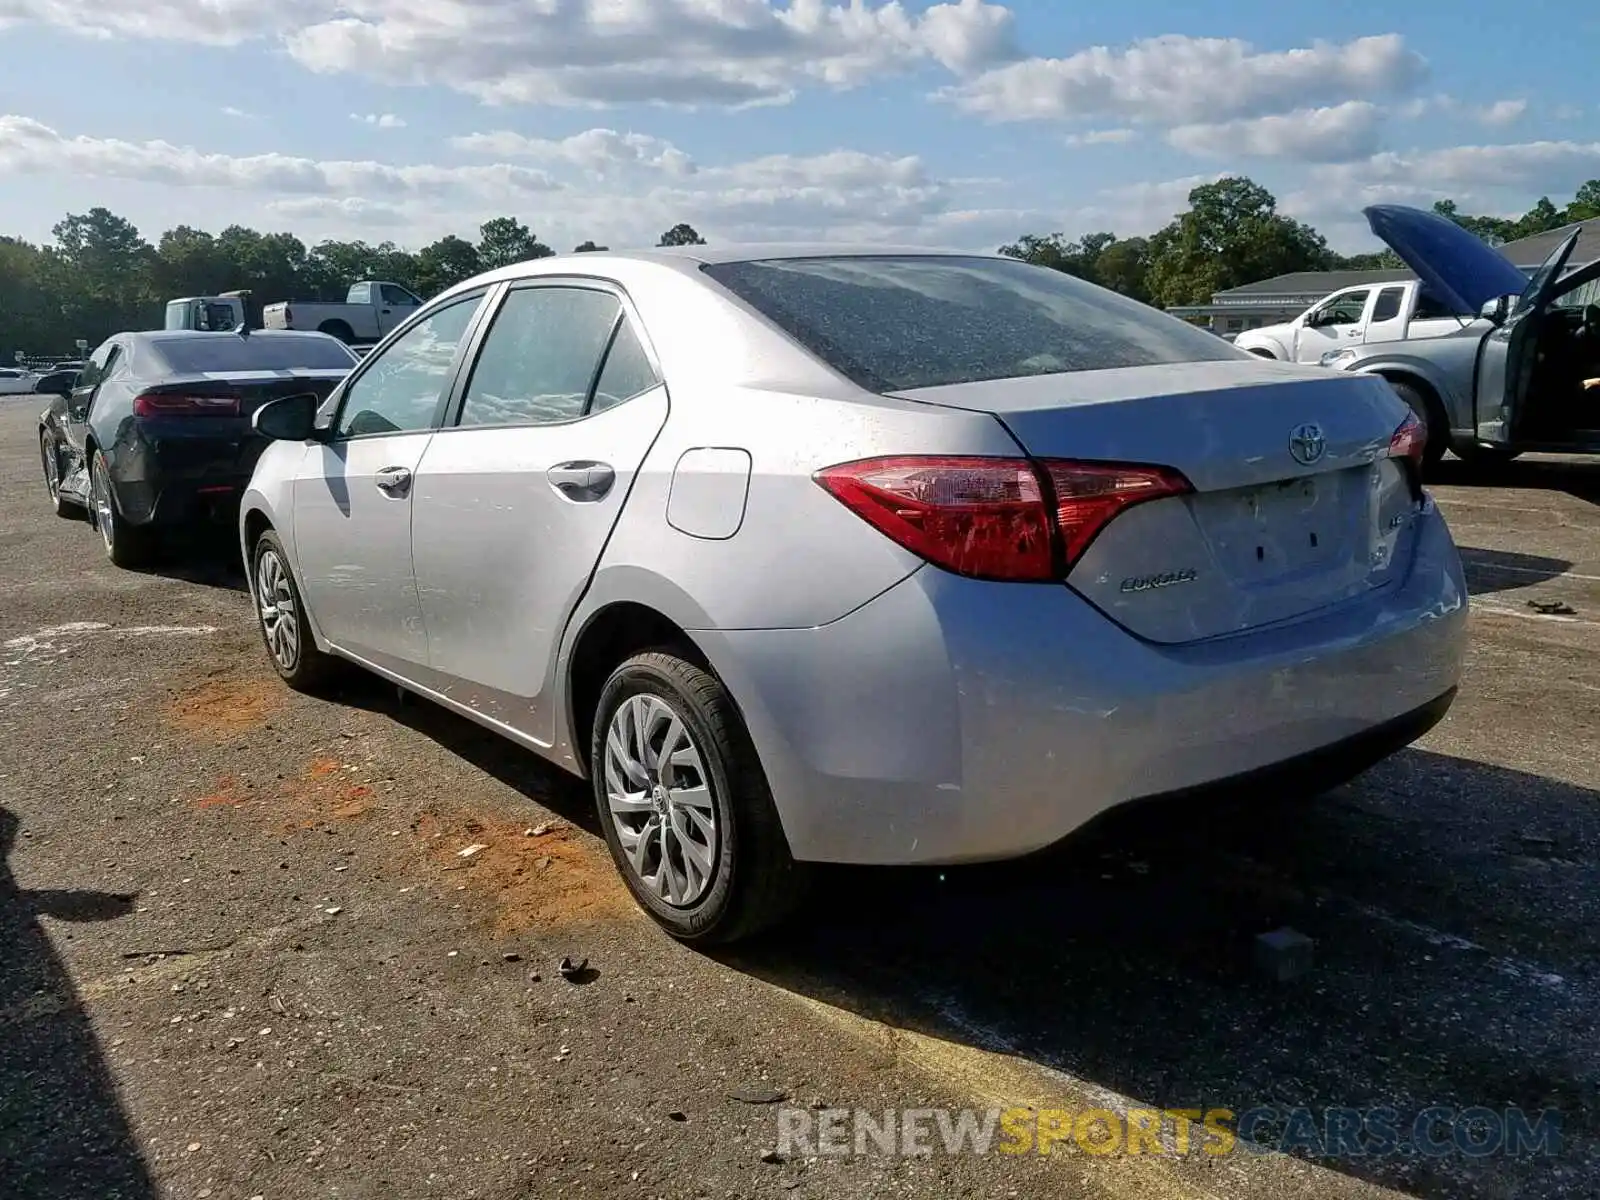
515,502
1334,323
352,497
1508,354
1386,319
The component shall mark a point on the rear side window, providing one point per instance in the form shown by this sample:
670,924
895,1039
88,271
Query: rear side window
1387,307
229,352
893,323
627,371
540,357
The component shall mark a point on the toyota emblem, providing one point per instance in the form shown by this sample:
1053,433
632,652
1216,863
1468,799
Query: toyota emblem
1307,444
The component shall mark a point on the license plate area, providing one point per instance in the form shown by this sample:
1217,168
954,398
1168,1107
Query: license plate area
1289,527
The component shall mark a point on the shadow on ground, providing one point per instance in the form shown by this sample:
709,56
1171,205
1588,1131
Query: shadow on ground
1502,570
62,1130
1573,476
1455,958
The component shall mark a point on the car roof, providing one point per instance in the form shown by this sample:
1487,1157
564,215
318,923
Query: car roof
182,335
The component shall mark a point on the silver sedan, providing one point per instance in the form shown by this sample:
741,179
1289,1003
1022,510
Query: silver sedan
807,555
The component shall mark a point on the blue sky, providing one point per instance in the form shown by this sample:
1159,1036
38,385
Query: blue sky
964,123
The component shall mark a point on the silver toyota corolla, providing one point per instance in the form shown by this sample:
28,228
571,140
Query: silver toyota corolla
810,555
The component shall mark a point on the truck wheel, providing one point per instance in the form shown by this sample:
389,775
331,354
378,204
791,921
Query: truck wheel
1432,418
1263,353
339,330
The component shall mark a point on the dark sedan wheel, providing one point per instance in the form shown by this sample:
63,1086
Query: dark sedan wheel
50,458
685,806
126,545
281,614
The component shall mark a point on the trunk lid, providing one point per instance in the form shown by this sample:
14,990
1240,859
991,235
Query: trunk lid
1296,504
1461,269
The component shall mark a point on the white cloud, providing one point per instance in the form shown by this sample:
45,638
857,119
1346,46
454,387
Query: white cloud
29,147
379,120
1102,137
1174,79
597,150
576,52
1341,133
1139,208
1502,113
841,195
1554,167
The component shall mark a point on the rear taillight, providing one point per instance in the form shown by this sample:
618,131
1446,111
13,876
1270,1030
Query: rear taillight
994,518
163,404
1410,440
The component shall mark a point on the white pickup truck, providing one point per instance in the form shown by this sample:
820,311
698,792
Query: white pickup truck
370,310
1398,310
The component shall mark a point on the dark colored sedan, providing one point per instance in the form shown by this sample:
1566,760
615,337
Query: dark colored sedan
153,436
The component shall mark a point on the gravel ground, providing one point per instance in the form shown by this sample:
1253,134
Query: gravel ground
242,956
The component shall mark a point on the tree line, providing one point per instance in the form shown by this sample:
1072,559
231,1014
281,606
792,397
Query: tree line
100,275
1233,234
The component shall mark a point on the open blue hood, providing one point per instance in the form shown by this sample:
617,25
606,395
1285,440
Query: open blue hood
1458,268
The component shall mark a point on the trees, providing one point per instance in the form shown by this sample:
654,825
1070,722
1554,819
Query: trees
681,235
506,240
1232,234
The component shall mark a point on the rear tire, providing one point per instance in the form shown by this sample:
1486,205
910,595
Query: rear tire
685,806
1432,417
281,615
127,546
339,330
50,459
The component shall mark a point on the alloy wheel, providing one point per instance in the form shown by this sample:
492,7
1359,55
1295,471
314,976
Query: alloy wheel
105,515
52,469
660,800
280,619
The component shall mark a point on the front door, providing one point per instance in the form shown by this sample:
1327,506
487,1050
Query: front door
1509,353
352,498
515,502
1333,324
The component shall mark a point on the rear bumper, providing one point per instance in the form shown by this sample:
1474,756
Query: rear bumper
951,720
178,472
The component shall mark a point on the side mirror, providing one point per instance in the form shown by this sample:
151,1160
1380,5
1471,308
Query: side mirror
1495,311
290,419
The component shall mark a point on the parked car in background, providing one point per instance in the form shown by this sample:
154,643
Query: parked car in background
370,310
1511,380
1354,316
69,364
154,435
15,381
931,558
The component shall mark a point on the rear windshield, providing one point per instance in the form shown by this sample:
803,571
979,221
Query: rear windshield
896,323
228,352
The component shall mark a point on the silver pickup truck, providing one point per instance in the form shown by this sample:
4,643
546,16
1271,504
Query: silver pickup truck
370,310
1511,380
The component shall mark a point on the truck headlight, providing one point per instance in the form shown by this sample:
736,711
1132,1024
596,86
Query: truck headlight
1337,359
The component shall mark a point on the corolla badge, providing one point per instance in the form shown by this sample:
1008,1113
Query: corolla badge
1307,444
1145,583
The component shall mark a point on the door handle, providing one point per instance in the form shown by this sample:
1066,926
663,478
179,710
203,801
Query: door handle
393,481
582,480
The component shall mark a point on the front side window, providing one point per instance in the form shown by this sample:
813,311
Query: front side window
95,369
397,296
893,323
1341,310
399,392
539,358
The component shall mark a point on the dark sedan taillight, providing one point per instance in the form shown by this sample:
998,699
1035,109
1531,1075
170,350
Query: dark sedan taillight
168,404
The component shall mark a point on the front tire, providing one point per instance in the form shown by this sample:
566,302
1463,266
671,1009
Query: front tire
685,806
127,546
1432,418
281,614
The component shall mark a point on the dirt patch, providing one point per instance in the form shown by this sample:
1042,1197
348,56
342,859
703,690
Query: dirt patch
556,878
319,796
222,708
